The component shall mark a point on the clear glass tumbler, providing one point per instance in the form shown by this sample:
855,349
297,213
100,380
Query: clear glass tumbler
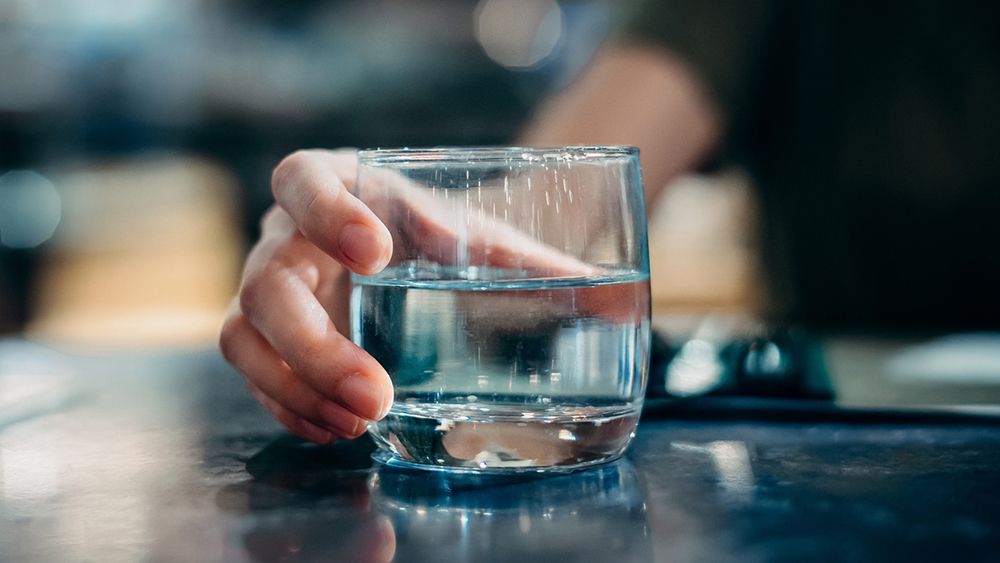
513,317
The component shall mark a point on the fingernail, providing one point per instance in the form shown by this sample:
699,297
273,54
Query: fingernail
362,244
387,401
337,418
361,396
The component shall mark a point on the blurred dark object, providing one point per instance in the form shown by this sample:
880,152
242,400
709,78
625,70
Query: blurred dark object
30,212
775,363
16,271
872,138
790,373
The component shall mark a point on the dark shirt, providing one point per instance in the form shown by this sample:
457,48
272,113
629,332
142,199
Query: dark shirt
872,132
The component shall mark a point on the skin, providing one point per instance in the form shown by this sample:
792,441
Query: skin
287,332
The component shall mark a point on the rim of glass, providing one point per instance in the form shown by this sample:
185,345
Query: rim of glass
490,154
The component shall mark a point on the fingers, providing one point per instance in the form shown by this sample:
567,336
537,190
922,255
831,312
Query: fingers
280,336
312,186
294,424
445,232
278,299
301,409
431,231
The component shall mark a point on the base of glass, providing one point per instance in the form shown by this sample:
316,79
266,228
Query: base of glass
436,440
390,459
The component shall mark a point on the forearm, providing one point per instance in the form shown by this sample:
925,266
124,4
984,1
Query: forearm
632,95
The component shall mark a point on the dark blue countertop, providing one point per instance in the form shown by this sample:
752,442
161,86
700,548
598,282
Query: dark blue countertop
164,457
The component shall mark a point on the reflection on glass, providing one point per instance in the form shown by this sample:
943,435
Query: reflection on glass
596,515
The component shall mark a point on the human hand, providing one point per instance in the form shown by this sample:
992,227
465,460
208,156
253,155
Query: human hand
288,331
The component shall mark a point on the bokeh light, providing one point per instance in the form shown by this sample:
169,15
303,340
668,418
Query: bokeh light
30,209
519,33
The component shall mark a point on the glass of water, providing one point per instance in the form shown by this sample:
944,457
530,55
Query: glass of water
513,317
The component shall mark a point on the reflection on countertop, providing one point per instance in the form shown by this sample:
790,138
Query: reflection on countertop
595,515
335,503
165,457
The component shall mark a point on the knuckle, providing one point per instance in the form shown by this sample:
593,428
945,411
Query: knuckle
269,217
303,429
311,215
287,169
311,410
325,362
321,205
308,349
229,336
254,292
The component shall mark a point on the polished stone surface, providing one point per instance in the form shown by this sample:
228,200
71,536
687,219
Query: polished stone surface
166,458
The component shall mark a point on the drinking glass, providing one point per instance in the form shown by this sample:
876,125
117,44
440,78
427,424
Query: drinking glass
513,317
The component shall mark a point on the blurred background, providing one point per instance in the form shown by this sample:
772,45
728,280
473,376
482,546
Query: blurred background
137,140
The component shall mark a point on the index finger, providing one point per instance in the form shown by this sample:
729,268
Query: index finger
312,186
